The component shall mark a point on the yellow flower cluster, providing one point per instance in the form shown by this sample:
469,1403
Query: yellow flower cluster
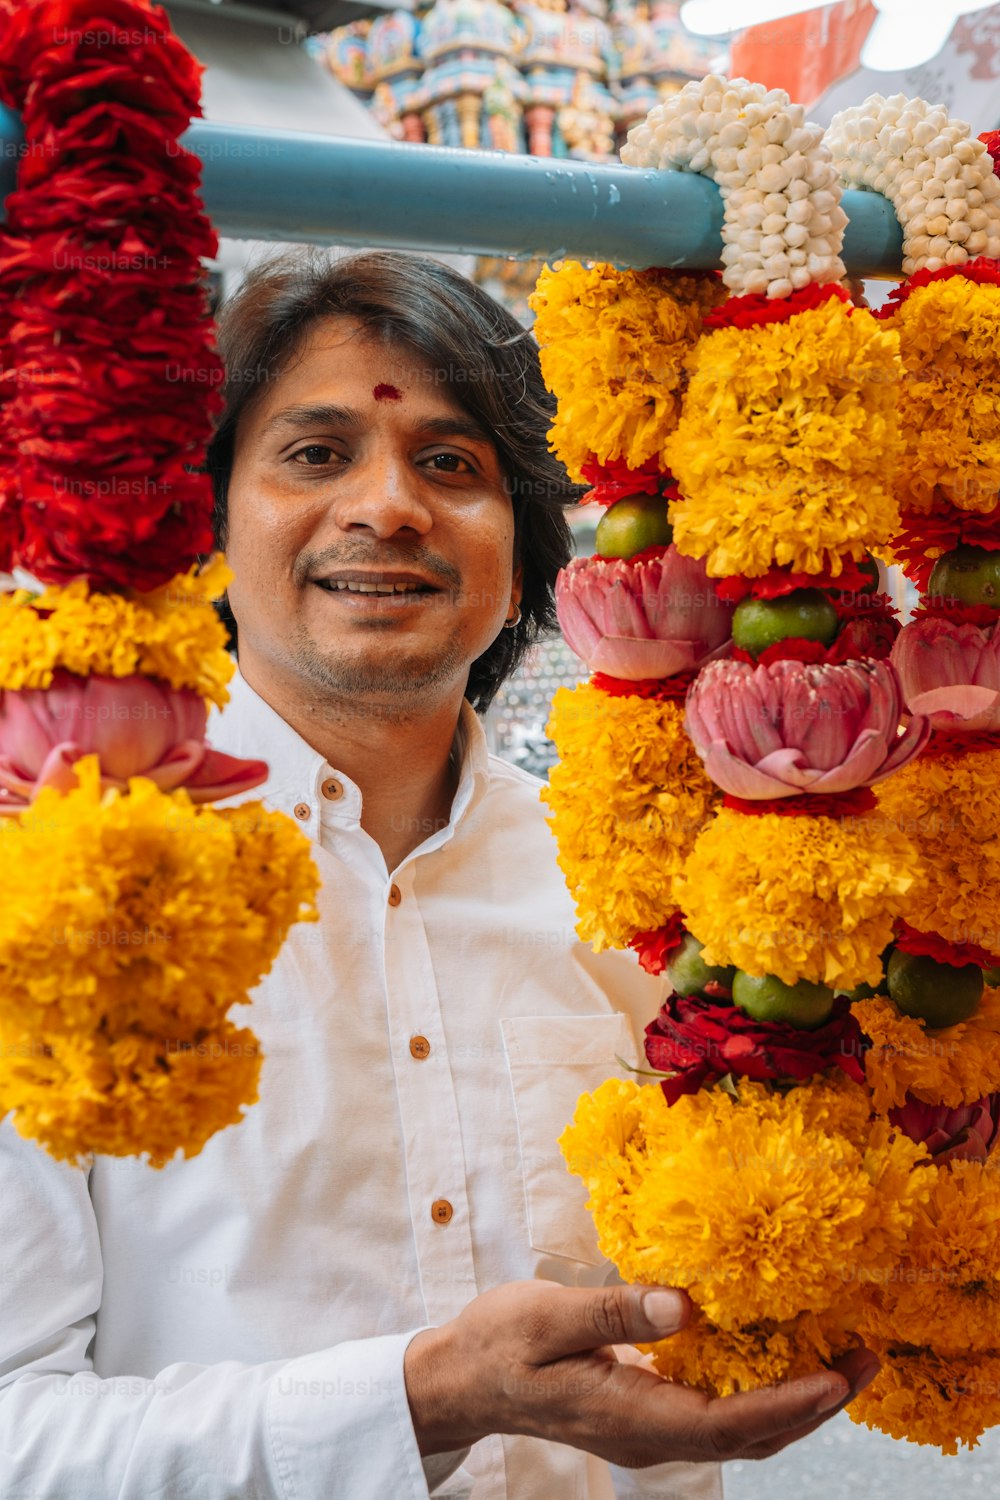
79,1093
787,443
613,346
799,897
954,1065
134,921
628,798
950,807
941,1400
949,404
172,633
944,1293
762,1207
722,1362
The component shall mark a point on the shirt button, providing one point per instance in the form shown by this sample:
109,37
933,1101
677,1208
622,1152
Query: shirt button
395,895
332,789
302,811
441,1211
420,1047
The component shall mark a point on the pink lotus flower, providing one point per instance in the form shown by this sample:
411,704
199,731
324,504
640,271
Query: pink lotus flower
137,726
951,673
795,727
968,1133
647,619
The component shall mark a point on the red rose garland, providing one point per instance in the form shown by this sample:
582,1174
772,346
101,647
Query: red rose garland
114,377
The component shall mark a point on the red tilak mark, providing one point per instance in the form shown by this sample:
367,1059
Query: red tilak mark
387,393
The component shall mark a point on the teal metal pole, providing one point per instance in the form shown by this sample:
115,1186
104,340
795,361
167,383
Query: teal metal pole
324,190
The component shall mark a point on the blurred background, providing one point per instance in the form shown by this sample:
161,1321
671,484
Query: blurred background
560,78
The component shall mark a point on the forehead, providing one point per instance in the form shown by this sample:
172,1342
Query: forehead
340,361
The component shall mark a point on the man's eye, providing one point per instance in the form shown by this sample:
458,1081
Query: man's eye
314,455
448,463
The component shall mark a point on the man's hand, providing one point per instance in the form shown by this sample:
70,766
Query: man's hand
536,1358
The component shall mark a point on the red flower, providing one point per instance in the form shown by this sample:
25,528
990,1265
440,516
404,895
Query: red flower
614,480
699,1040
933,945
655,946
941,530
753,310
777,581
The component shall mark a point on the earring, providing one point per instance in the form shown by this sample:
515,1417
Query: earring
510,624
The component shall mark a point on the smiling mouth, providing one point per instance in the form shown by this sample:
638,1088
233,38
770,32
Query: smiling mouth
383,590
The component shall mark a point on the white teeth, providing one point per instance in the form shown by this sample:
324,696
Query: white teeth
370,588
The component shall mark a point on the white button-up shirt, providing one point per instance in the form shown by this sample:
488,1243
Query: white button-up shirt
233,1327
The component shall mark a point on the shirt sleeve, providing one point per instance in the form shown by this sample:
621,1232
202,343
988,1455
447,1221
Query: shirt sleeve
335,1422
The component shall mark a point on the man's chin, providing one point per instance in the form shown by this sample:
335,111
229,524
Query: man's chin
394,675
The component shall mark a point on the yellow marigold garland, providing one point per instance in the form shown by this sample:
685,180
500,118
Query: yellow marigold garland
950,806
787,442
945,1291
81,1093
799,897
139,917
954,1065
628,798
613,350
143,908
949,402
721,1362
761,1208
930,1398
172,633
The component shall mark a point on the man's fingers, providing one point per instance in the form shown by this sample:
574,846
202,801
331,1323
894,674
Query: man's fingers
580,1319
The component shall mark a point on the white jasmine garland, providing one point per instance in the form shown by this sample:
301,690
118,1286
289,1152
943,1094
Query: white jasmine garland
783,224
937,176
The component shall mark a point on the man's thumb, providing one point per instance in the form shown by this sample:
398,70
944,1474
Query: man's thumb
580,1320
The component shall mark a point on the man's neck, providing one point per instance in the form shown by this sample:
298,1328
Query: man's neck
401,761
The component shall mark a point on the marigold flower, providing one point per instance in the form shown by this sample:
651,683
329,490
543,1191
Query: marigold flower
950,672
793,727
804,898
949,400
627,798
951,1066
926,1397
761,1206
171,633
786,444
613,346
949,806
647,618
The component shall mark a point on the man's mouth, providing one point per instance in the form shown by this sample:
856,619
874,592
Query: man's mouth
333,585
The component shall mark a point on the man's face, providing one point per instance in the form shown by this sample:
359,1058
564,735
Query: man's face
356,467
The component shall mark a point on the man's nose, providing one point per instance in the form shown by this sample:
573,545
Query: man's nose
383,493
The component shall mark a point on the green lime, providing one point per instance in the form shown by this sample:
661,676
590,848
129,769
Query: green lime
768,998
939,994
869,566
633,524
991,977
689,974
806,613
969,574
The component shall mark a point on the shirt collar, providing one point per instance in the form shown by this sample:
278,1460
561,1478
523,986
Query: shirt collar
249,727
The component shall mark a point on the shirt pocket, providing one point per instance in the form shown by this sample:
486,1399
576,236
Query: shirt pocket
552,1060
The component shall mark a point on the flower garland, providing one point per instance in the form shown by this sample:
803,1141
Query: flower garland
754,1176
146,914
934,1062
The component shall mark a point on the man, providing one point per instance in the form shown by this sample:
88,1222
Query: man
355,1293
